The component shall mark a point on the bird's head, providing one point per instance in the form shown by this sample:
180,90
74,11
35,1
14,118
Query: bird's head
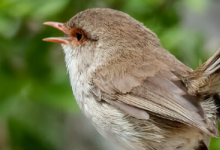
104,36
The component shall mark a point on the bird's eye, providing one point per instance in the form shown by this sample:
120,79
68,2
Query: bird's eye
78,36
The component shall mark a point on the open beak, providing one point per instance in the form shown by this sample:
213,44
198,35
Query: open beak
61,27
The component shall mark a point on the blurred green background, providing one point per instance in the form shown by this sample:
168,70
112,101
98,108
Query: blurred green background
37,108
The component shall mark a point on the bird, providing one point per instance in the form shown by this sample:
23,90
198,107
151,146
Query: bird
136,93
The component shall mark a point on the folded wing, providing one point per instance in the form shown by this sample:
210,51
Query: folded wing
162,94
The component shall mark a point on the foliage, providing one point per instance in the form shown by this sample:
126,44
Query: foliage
35,94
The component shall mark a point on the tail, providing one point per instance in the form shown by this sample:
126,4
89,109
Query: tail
205,80
204,83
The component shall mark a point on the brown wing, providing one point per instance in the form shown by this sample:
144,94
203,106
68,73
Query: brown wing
163,95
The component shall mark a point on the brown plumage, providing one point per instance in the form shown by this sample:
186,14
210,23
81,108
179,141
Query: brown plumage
135,92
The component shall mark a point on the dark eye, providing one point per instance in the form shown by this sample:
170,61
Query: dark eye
78,36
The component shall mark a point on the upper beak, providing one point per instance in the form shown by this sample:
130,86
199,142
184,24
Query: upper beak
61,27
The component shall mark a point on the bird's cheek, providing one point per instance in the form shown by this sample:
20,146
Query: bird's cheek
68,50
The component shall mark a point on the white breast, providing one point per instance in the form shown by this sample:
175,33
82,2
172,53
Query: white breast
107,119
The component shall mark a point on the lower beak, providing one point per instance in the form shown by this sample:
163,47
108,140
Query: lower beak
61,27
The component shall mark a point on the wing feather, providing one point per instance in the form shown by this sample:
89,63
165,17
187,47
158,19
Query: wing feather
163,95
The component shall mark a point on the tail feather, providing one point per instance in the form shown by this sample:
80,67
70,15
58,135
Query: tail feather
205,80
213,63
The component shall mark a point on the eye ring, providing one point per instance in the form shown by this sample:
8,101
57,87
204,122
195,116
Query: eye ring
79,36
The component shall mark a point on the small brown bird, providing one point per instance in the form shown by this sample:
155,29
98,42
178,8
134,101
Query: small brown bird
134,91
